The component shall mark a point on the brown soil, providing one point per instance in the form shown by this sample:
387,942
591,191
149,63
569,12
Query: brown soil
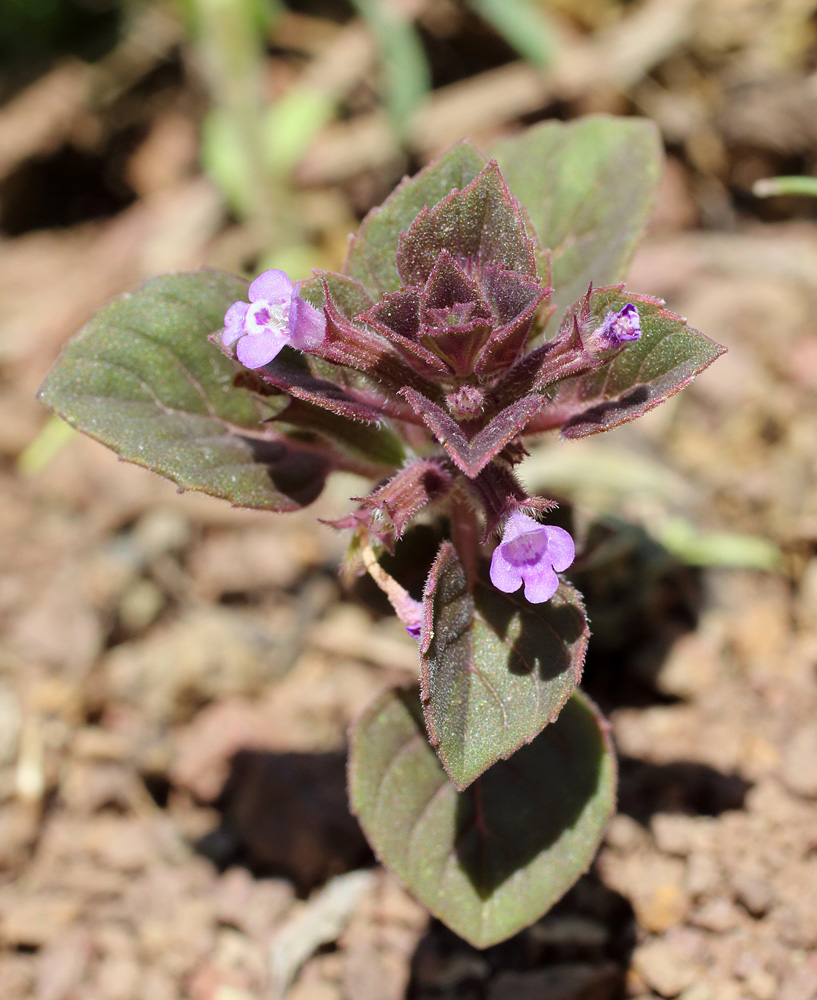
177,677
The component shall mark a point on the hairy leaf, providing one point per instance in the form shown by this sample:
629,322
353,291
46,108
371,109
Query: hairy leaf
492,859
666,358
471,455
480,224
589,188
372,253
495,669
143,379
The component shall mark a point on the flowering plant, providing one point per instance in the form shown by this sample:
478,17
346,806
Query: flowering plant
427,365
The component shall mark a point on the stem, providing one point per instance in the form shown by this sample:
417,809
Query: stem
405,607
465,535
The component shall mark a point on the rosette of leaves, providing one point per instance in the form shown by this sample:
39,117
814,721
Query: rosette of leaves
465,321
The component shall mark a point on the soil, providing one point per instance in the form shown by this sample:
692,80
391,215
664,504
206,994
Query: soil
177,677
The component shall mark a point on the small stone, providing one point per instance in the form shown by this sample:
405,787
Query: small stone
665,968
703,877
699,991
762,985
799,767
680,835
227,992
800,983
32,921
117,978
625,834
666,906
754,893
718,915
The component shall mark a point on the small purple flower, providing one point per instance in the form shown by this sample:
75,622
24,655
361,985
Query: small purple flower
531,553
275,315
619,327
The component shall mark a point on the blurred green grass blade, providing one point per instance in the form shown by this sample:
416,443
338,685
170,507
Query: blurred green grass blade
405,70
769,187
53,436
718,548
524,26
292,124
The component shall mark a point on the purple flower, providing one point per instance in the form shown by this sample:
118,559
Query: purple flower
531,553
275,315
619,327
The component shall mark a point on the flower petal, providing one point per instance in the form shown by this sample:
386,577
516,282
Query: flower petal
307,325
541,583
234,322
561,549
257,350
504,575
519,524
271,286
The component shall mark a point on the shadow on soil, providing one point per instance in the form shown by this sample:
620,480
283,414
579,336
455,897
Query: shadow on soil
287,815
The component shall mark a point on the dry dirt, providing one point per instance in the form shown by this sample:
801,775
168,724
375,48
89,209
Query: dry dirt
177,677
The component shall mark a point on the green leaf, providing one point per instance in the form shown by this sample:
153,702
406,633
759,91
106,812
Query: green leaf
667,357
494,858
497,669
481,222
373,252
143,379
589,188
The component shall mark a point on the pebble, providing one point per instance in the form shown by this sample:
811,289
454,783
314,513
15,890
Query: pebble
753,892
703,876
665,968
666,906
761,984
681,835
625,834
799,766
718,915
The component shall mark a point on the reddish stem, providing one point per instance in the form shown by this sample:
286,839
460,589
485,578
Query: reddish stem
465,535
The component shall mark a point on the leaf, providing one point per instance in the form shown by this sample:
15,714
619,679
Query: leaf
589,188
491,860
471,455
143,379
495,669
481,224
373,252
667,357
370,448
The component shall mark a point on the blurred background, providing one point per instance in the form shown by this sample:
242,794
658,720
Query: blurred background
177,677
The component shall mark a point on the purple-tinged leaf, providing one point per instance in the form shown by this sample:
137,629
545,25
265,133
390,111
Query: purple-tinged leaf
421,483
494,858
667,357
480,226
518,302
397,317
563,357
471,455
495,669
589,187
372,253
289,374
349,344
143,378
367,449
